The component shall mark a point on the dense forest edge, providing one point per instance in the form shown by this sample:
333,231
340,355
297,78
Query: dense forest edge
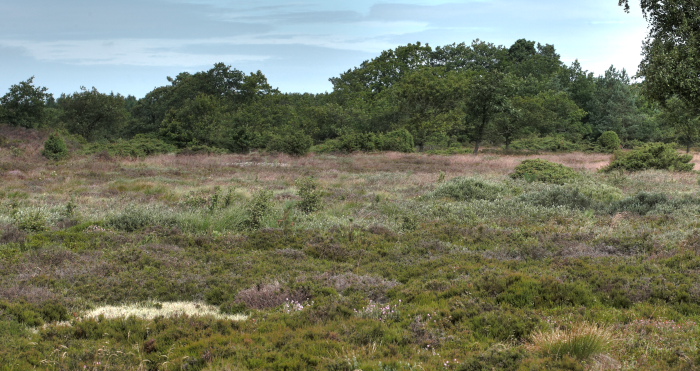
456,98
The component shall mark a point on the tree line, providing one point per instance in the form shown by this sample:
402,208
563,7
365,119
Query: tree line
411,97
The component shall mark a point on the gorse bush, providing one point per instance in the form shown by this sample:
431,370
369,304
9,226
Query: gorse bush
544,171
55,148
659,156
466,189
609,141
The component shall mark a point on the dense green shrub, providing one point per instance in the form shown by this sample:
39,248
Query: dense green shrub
466,189
141,145
544,171
307,189
609,141
398,140
295,143
55,148
258,208
550,144
651,156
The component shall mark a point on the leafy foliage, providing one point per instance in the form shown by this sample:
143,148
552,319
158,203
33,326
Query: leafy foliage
25,104
55,148
609,141
544,171
467,189
311,196
659,156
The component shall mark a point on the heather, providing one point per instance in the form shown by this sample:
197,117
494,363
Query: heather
372,261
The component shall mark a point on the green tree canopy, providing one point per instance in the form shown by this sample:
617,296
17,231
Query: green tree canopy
24,104
671,63
94,115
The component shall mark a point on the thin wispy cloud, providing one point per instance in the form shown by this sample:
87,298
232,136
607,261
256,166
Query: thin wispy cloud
283,39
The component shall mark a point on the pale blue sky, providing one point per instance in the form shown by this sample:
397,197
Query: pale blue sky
131,46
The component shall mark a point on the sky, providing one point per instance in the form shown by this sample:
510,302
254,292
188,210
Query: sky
131,46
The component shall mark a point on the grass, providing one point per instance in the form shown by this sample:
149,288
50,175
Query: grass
408,261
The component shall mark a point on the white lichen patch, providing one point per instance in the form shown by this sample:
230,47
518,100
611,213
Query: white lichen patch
152,310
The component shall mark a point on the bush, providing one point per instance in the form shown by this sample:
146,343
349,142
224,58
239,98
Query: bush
309,193
55,148
557,195
641,203
659,156
140,146
399,140
294,143
609,141
550,144
466,189
258,208
544,171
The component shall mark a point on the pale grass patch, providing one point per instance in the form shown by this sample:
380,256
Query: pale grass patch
150,311
581,341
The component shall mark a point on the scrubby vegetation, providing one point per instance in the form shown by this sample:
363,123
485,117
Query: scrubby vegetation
651,156
355,261
544,171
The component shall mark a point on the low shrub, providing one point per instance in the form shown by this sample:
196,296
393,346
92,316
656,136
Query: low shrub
659,156
398,140
295,143
307,189
609,141
557,195
549,144
466,189
133,219
545,171
641,203
258,209
55,148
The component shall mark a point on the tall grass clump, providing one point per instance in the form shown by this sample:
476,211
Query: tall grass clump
660,156
545,171
582,341
467,189
135,218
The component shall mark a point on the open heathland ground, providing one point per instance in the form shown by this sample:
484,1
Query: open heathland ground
380,261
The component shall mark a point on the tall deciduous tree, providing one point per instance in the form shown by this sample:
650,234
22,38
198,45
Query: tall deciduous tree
671,63
683,119
487,96
24,105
